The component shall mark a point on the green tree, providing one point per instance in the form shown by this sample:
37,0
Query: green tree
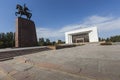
1,44
2,40
7,40
100,39
107,40
53,43
41,42
60,42
48,42
115,38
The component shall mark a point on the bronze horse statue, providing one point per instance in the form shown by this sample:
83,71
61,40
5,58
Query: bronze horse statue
23,11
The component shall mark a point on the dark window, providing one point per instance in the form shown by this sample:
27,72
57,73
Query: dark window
80,38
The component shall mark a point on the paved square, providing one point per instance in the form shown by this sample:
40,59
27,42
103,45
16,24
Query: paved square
87,62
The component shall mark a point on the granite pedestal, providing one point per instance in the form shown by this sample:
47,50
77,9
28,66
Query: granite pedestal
25,35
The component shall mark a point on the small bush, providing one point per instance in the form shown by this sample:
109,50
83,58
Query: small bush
106,43
61,46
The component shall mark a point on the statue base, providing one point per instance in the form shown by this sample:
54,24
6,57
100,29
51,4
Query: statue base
25,35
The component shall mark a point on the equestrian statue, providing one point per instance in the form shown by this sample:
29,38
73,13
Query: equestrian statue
23,11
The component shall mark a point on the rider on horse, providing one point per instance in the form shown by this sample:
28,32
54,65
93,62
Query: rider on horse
23,11
26,10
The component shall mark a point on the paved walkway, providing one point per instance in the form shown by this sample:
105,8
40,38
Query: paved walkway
88,62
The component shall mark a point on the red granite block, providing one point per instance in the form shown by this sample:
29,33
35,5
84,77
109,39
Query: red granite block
25,35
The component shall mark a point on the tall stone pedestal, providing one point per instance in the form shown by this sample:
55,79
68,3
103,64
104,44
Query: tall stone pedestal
25,35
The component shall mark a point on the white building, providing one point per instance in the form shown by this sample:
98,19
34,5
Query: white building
82,35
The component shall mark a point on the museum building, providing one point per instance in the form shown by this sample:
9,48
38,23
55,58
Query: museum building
82,35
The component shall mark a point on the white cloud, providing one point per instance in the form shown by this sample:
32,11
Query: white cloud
103,23
70,27
114,24
48,33
96,19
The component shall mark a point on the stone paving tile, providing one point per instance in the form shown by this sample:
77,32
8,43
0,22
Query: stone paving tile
2,75
7,78
22,67
6,68
46,74
89,61
21,75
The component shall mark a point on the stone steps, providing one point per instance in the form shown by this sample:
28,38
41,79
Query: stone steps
10,53
6,58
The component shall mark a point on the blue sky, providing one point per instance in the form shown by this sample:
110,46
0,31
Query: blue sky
54,17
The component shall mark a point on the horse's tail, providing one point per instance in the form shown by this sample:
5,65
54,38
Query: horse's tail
16,13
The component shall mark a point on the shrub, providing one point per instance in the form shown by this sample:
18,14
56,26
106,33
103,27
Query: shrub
106,43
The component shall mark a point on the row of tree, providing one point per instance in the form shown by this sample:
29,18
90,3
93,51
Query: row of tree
45,42
111,39
7,40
